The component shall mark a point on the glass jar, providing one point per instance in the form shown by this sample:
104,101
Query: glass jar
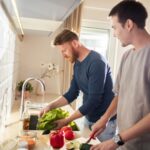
27,139
26,119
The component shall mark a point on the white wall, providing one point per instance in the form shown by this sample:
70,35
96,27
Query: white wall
36,50
9,60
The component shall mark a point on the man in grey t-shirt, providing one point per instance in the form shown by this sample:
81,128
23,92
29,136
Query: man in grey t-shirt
132,100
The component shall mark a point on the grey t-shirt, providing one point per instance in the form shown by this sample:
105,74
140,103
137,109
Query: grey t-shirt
133,90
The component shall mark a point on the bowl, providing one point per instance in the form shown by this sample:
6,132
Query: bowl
28,137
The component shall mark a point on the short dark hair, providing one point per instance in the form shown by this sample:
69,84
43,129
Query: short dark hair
65,36
133,10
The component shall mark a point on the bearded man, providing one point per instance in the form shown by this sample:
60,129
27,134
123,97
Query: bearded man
92,76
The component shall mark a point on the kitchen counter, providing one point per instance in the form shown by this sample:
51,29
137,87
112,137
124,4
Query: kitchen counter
12,131
43,142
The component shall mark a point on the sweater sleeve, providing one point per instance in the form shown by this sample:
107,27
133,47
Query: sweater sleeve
97,78
73,91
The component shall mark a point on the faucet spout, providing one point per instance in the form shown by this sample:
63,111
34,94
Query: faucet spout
22,106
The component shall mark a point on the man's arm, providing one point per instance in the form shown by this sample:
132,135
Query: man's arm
62,122
73,91
140,128
61,101
100,125
112,109
68,97
110,113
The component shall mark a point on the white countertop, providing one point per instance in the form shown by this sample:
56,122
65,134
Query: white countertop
43,142
12,131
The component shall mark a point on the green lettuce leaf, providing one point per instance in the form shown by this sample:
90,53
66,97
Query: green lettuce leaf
46,121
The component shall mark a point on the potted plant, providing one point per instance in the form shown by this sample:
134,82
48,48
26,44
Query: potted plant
28,89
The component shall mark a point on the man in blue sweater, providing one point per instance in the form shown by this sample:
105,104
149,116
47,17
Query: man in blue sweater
92,76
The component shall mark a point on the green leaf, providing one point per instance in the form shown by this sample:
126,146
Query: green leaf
74,126
46,121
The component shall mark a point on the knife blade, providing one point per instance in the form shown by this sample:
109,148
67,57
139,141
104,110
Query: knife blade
90,138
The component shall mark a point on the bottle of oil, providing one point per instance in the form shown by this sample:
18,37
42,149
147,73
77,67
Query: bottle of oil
26,119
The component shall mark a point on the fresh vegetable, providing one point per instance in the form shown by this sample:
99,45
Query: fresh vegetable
85,146
46,122
73,145
46,131
65,128
70,146
57,139
74,126
69,135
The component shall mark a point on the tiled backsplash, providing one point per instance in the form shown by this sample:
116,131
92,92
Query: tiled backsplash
9,59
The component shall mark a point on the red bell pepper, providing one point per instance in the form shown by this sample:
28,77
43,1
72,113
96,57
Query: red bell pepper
57,139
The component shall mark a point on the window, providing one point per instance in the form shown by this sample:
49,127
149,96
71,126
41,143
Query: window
95,39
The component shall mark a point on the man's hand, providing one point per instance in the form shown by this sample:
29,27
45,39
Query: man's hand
45,110
63,122
61,101
60,123
99,126
107,145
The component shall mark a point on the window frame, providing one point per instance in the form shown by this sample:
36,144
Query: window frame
112,53
100,30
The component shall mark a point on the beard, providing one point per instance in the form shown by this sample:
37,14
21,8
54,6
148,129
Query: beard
73,57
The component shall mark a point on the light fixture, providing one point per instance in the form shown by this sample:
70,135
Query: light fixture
17,15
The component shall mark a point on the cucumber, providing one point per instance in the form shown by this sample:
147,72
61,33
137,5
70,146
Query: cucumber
85,146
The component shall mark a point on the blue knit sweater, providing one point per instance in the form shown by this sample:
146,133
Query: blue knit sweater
93,77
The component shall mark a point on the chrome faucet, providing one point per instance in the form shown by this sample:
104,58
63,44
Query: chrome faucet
22,106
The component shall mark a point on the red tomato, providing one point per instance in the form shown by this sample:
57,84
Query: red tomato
69,135
57,139
65,128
